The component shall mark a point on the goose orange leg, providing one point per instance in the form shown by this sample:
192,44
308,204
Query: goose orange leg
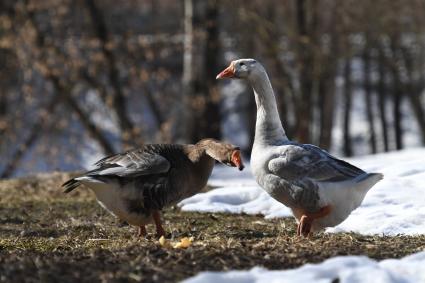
142,231
157,219
307,219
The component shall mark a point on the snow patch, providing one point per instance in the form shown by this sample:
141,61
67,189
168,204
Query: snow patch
396,205
343,269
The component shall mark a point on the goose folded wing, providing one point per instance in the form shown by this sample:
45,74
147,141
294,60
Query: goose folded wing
298,162
131,164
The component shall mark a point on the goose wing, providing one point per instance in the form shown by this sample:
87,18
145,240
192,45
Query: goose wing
132,163
297,162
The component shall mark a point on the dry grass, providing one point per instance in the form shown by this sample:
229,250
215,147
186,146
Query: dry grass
46,236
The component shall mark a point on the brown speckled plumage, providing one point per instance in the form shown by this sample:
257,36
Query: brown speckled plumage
138,183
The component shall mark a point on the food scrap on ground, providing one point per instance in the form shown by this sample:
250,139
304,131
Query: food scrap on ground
182,244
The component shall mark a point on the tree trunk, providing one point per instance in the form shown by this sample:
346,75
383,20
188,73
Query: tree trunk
248,47
64,92
130,135
397,98
414,91
348,90
306,66
368,98
327,106
382,97
183,128
273,51
397,94
209,119
66,97
271,39
327,88
418,110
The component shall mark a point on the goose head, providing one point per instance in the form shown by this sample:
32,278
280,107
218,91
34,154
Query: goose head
241,69
224,153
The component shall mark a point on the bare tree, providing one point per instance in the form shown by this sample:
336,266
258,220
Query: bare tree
414,89
397,94
207,102
130,135
99,60
305,53
184,130
326,89
347,94
382,96
367,86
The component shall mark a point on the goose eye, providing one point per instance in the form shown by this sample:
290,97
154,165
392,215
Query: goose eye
242,64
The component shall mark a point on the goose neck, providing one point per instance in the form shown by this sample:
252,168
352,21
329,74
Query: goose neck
268,129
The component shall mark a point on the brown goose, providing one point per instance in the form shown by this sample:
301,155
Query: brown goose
137,184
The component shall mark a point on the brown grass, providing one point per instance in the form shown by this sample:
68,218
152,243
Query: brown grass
46,236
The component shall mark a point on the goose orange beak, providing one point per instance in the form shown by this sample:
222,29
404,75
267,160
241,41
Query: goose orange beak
237,160
229,72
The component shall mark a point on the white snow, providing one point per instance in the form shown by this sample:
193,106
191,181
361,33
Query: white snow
348,269
396,205
235,192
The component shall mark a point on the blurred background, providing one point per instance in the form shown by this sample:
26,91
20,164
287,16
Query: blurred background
80,79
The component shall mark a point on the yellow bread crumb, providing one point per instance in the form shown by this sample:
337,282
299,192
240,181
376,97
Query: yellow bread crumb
183,244
164,242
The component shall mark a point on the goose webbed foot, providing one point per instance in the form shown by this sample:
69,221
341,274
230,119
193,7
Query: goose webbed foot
141,231
157,219
304,227
306,220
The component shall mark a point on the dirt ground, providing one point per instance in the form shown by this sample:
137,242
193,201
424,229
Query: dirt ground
47,236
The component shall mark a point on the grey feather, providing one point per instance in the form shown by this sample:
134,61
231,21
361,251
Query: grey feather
131,164
304,161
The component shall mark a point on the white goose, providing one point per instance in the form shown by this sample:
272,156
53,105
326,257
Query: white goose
320,189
